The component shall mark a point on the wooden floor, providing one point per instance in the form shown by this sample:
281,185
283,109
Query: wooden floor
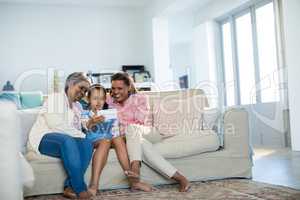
277,166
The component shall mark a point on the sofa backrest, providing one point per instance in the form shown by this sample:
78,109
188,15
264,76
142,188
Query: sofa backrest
155,96
27,119
157,100
177,112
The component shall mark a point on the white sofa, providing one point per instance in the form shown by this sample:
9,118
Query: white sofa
233,159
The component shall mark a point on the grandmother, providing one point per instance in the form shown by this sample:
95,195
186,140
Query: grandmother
57,133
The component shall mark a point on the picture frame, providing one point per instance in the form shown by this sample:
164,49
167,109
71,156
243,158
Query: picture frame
141,77
105,78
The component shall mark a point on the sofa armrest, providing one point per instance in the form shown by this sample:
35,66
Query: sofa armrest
236,132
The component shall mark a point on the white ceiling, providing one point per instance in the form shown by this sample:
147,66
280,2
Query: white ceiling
118,3
185,5
169,7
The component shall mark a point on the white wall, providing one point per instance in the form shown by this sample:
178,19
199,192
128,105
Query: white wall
291,16
180,59
181,40
161,51
155,10
204,70
71,38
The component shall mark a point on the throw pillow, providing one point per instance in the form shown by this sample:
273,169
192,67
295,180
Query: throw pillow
31,99
11,96
178,116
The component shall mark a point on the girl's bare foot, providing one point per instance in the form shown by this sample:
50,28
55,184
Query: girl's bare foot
131,174
141,186
93,189
84,195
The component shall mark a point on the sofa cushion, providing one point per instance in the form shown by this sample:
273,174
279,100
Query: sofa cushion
178,116
167,116
38,158
32,156
155,96
188,145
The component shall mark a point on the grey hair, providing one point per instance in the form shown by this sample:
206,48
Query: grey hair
74,78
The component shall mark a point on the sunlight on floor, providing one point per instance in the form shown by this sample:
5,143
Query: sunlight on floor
277,166
263,152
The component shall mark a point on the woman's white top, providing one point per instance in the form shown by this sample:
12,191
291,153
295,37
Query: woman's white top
56,116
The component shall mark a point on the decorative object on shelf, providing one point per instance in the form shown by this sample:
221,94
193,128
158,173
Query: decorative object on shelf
105,78
141,77
183,82
101,78
89,75
94,77
131,69
8,87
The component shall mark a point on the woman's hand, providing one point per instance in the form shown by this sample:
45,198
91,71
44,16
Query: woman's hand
95,120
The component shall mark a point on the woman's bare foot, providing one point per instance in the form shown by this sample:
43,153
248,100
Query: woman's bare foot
184,184
84,195
69,193
93,189
141,186
184,187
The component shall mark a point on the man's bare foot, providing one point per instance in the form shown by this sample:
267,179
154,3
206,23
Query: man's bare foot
141,186
93,189
184,184
84,195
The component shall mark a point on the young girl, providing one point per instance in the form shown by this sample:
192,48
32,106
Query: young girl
103,133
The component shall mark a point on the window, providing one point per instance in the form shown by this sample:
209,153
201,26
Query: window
245,59
249,56
228,64
267,53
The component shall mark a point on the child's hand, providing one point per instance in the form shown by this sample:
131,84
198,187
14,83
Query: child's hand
98,119
95,120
